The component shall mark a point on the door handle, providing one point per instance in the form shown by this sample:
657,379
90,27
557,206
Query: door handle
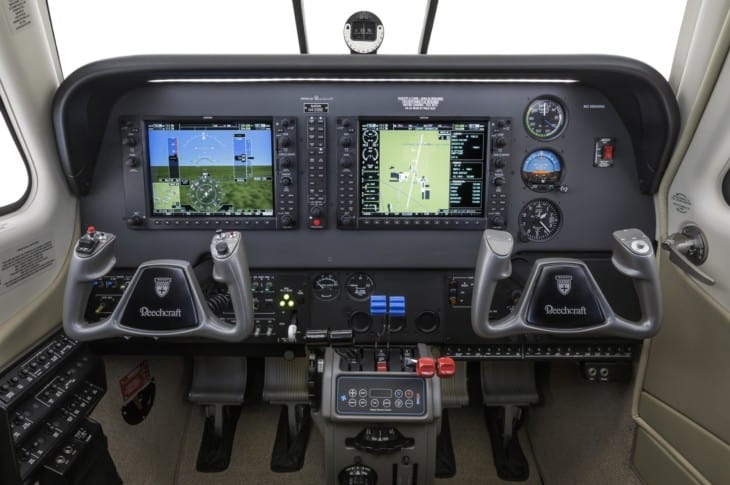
688,249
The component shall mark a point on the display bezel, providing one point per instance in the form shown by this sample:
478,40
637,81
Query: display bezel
476,220
162,221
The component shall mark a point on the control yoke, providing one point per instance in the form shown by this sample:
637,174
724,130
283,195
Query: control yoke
163,299
561,295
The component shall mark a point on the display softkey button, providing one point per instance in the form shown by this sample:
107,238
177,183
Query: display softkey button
374,403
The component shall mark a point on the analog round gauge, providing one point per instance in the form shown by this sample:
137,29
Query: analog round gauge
360,286
370,136
542,170
544,118
206,193
326,287
369,154
539,220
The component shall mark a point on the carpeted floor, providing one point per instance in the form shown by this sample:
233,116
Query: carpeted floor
582,432
255,437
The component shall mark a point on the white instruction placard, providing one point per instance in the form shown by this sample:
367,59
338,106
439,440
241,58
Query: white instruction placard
17,12
25,262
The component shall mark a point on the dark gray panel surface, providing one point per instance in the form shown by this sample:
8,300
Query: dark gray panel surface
598,201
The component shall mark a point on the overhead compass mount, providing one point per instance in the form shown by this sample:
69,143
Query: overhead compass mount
364,33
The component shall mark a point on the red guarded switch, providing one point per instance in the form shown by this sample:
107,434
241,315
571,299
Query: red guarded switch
446,367
381,366
425,367
607,152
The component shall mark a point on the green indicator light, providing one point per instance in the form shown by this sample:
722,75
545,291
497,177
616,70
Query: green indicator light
287,296
291,303
282,303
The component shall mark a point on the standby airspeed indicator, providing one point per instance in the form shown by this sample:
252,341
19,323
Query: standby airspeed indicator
545,118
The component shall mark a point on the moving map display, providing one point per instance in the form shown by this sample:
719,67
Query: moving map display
422,169
211,169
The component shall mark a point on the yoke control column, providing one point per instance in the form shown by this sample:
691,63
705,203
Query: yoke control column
164,298
561,296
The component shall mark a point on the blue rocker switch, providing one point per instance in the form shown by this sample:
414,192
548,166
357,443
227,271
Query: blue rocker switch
378,305
397,306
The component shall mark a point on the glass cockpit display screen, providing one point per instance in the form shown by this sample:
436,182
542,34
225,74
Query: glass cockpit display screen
210,169
422,169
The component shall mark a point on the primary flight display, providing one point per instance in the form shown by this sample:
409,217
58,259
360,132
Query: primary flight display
211,168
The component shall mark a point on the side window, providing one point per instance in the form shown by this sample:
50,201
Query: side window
14,180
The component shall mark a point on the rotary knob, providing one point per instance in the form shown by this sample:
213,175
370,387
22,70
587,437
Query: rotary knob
134,220
284,142
497,221
346,141
287,220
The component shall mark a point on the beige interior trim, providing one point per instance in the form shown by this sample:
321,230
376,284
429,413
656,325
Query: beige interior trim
660,467
705,450
33,322
714,67
666,446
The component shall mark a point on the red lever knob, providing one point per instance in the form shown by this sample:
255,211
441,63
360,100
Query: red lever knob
425,367
446,367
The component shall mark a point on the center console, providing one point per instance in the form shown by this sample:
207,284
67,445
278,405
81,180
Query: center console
380,414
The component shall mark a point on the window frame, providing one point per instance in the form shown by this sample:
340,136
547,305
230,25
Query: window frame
14,206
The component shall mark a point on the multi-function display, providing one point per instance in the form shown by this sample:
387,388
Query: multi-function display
422,169
209,169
